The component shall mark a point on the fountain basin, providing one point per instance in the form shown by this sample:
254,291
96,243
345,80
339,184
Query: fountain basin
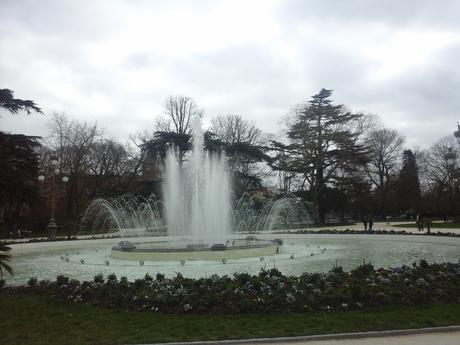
173,251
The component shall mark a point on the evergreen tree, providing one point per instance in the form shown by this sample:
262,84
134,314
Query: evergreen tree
14,105
408,187
325,147
18,171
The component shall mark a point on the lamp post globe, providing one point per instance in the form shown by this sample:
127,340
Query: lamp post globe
457,134
54,160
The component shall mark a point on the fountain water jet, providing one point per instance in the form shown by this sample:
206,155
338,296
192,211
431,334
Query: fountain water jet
197,210
197,195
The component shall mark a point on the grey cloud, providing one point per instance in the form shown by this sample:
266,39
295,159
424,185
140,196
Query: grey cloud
254,79
387,12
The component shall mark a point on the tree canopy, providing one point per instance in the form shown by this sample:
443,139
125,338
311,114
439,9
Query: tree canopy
14,105
324,146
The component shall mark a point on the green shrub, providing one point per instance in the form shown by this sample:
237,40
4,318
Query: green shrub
32,281
111,278
62,280
99,279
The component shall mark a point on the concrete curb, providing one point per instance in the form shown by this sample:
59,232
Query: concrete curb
336,336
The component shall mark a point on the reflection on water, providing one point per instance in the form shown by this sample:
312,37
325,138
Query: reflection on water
299,253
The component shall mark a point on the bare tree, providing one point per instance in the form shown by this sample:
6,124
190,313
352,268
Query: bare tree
233,128
107,158
437,163
385,146
72,142
137,154
178,116
107,164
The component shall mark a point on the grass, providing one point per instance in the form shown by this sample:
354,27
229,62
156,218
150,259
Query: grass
37,319
449,225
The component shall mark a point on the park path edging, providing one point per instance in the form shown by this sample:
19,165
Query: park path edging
336,336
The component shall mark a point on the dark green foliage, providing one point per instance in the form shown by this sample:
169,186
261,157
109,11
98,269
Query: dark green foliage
112,279
4,258
99,279
324,148
62,280
363,270
18,171
408,184
14,105
162,141
32,281
270,291
337,269
148,278
241,155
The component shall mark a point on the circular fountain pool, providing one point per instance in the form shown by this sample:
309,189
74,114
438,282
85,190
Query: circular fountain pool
84,259
179,250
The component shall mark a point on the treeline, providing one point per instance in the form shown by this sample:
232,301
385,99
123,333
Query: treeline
342,164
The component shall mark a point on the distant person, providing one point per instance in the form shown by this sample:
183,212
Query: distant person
445,219
14,230
365,223
419,222
428,224
371,223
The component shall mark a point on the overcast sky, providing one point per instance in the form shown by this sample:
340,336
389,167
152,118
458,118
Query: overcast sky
117,61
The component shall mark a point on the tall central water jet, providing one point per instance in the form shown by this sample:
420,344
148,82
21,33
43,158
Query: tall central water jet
197,192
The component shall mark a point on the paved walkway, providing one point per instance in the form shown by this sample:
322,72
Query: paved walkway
441,338
386,226
357,226
429,336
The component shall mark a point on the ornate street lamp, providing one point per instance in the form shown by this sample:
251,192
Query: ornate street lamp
457,134
51,187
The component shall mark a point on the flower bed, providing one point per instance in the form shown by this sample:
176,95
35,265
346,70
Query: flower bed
269,291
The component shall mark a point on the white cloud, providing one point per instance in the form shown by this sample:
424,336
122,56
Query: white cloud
116,61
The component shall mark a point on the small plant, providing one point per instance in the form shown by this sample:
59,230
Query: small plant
32,281
139,284
62,280
124,283
424,264
148,278
99,279
363,270
337,269
111,278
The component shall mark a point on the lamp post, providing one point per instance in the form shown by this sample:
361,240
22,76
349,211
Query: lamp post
52,191
451,158
457,133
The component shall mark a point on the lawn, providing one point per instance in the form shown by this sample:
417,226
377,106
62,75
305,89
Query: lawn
37,319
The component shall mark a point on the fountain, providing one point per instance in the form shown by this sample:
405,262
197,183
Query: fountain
175,234
197,213
197,196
